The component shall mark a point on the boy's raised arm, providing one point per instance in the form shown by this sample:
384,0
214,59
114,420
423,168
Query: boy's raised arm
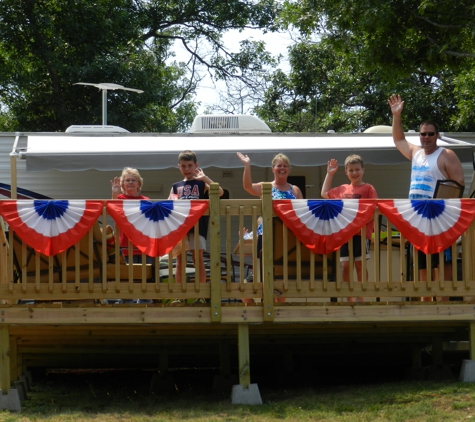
332,167
200,175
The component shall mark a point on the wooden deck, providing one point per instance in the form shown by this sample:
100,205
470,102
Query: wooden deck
54,314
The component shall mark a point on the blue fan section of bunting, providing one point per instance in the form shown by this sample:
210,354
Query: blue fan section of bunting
51,210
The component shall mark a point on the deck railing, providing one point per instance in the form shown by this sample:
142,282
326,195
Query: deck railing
284,270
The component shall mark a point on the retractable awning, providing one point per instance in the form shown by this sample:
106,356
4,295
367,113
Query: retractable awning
78,152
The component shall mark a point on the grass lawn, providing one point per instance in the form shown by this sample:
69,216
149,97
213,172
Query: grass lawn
125,396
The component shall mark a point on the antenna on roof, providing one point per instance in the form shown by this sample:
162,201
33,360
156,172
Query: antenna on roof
105,87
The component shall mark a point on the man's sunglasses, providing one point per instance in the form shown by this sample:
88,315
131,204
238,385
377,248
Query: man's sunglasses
427,133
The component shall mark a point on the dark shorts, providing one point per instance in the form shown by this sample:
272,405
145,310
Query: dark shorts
344,250
421,258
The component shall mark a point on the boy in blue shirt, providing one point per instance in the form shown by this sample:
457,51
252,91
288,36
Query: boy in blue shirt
195,185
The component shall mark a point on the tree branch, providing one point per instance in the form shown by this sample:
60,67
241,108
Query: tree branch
449,52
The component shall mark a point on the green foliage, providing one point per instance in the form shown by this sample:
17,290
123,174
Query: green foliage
398,35
353,54
465,92
48,45
349,98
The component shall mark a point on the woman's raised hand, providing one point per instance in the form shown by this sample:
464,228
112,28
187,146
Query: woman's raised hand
115,183
244,158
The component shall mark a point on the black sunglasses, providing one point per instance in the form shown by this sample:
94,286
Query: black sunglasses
427,133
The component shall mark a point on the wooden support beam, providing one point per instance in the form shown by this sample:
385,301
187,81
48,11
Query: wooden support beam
4,359
22,367
243,356
14,372
472,340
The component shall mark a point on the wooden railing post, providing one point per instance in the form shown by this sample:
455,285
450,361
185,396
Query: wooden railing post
267,260
215,252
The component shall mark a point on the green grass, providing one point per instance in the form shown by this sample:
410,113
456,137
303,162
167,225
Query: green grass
126,397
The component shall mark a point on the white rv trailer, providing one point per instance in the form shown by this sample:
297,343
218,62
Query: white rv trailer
81,162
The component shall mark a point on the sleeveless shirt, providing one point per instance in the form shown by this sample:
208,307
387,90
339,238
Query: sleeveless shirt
424,175
279,194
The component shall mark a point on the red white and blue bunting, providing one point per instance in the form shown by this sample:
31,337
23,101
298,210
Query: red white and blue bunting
324,225
48,226
156,227
431,225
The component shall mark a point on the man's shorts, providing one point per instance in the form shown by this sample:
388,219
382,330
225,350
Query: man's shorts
344,250
201,242
421,258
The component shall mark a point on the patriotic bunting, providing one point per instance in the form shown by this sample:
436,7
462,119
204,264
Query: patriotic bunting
431,225
48,226
324,225
156,227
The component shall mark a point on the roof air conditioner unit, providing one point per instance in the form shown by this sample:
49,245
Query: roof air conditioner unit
223,123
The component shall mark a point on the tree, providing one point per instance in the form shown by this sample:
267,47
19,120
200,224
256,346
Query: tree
329,89
370,49
397,36
243,94
48,45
